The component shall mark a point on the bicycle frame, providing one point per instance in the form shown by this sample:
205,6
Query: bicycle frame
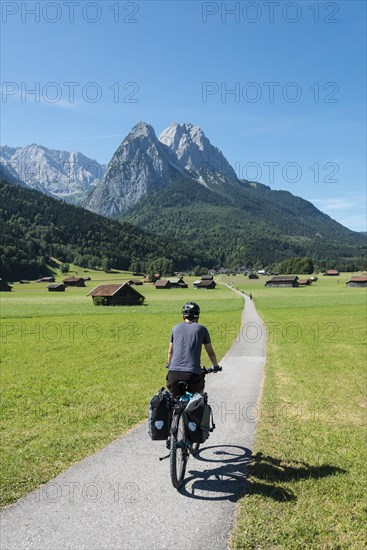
180,445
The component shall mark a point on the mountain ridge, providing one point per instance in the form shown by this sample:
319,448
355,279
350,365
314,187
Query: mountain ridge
70,176
183,186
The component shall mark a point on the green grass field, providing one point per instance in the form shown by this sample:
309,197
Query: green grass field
76,376
308,477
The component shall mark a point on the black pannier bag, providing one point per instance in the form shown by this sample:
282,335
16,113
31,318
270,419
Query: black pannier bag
160,415
198,414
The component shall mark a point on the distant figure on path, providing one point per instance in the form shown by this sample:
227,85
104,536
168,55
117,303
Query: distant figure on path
250,296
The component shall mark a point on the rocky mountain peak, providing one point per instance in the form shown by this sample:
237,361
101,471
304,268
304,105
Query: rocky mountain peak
197,155
70,176
141,130
140,166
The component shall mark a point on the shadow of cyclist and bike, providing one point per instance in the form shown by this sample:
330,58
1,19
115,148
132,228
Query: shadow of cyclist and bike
232,472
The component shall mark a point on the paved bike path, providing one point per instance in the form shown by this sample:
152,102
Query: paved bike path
121,497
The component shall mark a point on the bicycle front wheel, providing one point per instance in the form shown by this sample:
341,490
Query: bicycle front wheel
179,453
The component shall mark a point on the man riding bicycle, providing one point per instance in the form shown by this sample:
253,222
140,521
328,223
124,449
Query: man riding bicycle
184,352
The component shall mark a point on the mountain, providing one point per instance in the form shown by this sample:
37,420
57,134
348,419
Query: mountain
181,185
8,173
204,162
141,166
144,165
35,227
60,174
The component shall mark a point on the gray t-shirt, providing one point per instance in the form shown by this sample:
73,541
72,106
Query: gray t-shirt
187,340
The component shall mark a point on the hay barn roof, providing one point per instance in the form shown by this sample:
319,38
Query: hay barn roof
106,290
280,278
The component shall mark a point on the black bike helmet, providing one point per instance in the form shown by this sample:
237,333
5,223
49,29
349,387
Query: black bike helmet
191,310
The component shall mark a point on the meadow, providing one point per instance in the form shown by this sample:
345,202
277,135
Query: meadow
75,376
308,475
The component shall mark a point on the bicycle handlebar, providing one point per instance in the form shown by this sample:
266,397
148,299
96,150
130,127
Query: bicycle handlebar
212,369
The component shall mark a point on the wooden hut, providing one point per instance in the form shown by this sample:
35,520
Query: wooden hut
135,282
357,281
46,280
283,281
162,283
4,286
331,273
304,282
74,281
177,282
56,287
120,294
205,283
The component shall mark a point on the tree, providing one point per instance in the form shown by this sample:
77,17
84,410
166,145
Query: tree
151,277
65,268
106,264
307,266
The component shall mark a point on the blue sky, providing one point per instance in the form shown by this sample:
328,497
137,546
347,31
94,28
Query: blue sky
279,87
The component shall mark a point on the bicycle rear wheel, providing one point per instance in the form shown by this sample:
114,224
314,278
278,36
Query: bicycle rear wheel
179,453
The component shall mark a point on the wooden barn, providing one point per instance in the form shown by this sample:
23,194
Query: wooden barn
357,281
207,277
205,283
120,294
331,273
283,281
163,283
304,282
135,282
4,286
74,281
177,282
46,280
56,287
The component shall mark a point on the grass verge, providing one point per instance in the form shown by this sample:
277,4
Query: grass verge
308,476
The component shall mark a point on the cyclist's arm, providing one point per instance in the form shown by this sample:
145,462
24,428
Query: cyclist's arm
211,354
170,353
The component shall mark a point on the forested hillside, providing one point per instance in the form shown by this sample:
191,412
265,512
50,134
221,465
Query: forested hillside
248,225
35,227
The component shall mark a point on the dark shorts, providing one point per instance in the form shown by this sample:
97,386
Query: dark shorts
195,382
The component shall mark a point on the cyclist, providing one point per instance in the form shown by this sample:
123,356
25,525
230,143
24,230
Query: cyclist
187,339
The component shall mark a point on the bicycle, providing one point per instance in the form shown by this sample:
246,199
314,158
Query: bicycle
180,445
